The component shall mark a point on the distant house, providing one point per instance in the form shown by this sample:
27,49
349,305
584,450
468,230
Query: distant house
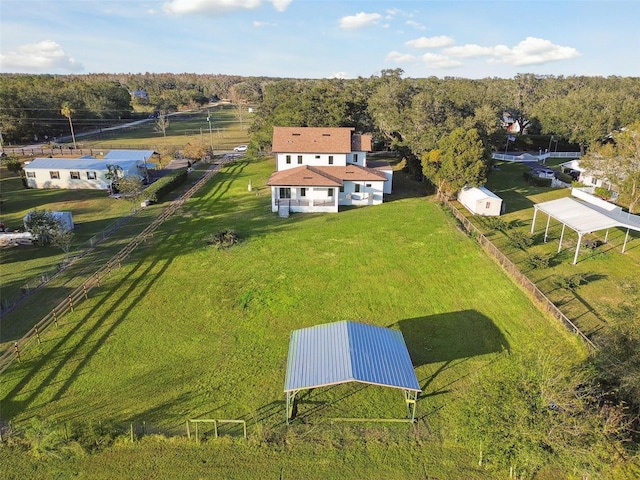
586,177
318,169
481,201
86,172
140,95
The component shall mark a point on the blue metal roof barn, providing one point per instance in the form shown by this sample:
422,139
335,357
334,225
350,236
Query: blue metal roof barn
348,351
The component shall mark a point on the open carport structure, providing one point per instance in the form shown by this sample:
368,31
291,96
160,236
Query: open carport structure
583,218
347,351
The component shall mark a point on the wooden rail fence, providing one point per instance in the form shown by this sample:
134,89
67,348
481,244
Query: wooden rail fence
81,293
542,300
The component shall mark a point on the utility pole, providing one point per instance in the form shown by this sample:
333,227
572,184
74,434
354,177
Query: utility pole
210,133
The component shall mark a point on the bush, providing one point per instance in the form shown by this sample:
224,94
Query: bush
537,260
603,193
520,240
536,181
570,282
223,239
565,177
496,223
157,190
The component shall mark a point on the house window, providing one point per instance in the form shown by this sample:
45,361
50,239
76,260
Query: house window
75,175
317,157
299,159
303,192
330,159
91,175
288,158
368,185
487,205
355,158
341,188
31,174
54,175
285,192
357,187
594,181
330,192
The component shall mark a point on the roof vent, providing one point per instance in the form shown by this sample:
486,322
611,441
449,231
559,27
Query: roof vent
326,134
295,134
307,178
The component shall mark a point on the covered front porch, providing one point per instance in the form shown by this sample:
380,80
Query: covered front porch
303,199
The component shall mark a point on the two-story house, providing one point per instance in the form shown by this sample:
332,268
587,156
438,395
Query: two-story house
318,169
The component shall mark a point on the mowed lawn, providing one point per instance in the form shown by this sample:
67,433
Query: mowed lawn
185,331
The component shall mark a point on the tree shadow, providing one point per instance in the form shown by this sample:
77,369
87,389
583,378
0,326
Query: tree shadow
447,337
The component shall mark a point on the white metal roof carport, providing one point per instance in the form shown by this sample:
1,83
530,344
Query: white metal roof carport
582,218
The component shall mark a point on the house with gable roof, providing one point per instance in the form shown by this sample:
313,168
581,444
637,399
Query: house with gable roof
320,168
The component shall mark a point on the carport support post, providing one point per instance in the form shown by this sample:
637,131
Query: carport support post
606,236
626,237
533,222
575,257
546,230
561,237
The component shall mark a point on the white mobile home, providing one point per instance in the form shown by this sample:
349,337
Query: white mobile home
481,201
85,172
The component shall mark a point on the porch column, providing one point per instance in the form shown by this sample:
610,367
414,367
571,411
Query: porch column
533,222
561,237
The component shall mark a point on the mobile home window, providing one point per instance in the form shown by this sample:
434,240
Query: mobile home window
75,175
368,185
54,175
487,205
330,159
31,174
91,175
357,187
288,159
299,159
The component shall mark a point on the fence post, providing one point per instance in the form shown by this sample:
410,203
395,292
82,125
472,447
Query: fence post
84,289
37,334
16,349
55,318
70,303
131,432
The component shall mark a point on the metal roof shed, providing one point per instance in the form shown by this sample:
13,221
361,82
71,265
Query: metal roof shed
347,351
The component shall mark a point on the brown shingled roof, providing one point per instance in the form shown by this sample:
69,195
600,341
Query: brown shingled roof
307,176
319,140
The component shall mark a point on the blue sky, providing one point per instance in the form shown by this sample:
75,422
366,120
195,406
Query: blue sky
322,39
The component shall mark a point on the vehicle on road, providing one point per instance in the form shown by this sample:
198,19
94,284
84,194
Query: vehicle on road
240,148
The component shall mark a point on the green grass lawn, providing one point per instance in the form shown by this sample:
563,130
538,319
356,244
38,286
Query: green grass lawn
612,286
186,331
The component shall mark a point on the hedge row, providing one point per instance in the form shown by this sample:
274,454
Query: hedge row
161,187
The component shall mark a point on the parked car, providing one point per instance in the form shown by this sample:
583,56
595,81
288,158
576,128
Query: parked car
240,148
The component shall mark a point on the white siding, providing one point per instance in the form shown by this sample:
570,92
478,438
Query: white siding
339,160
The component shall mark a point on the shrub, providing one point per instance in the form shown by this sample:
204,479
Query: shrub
223,239
537,260
570,282
565,177
536,181
157,190
520,240
602,193
496,223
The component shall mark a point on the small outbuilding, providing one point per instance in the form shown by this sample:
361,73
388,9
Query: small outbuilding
481,201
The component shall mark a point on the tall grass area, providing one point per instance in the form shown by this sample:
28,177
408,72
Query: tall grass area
188,331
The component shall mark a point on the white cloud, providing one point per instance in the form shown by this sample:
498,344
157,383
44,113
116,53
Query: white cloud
530,51
45,56
471,50
215,7
430,42
437,60
340,75
258,24
359,20
416,25
280,5
399,57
